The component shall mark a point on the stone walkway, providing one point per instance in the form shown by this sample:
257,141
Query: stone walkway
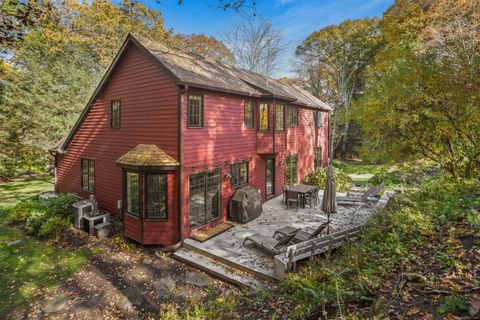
228,245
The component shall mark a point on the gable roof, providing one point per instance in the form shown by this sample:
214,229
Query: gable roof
197,71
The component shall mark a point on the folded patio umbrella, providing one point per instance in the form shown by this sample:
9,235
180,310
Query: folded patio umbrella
329,200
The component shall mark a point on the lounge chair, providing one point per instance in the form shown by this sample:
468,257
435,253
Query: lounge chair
268,244
301,235
357,197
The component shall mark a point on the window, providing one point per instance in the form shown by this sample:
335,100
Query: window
318,158
263,117
195,111
279,117
88,175
115,114
292,117
248,114
239,174
156,190
292,169
204,198
318,119
132,193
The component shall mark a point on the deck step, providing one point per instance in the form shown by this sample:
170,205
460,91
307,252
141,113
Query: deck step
215,269
190,245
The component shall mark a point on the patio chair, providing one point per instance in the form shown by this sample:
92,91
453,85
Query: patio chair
293,197
268,244
302,236
311,198
284,193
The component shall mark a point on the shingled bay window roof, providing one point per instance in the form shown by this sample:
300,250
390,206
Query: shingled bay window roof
147,155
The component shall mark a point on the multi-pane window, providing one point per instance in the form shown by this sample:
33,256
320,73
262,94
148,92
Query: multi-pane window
292,117
263,117
292,169
204,198
279,117
239,174
88,175
132,192
318,158
195,111
248,116
318,119
115,114
156,190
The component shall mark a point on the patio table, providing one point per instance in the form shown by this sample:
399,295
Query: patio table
302,189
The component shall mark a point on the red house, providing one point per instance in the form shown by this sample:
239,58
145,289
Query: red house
168,136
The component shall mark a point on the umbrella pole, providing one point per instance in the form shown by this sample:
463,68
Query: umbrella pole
328,226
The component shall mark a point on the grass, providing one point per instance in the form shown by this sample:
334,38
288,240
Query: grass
29,266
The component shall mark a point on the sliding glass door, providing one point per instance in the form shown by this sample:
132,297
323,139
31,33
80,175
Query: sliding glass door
204,198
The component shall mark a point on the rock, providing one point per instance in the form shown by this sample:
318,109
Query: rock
55,305
198,279
133,295
11,243
164,287
124,304
87,306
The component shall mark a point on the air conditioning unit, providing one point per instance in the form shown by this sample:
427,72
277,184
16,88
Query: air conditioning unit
80,208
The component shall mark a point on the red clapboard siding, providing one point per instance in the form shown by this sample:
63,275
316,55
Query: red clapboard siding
149,115
223,141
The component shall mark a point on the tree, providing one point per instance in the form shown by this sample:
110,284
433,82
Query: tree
17,16
422,96
205,46
257,45
54,68
332,62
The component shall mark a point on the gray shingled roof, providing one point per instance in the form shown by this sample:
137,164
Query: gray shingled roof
199,71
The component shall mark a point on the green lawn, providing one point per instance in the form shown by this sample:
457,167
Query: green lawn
359,172
29,265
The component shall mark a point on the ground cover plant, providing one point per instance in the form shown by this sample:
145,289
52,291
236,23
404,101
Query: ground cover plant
415,257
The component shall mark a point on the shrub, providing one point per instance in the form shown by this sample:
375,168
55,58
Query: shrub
319,178
35,221
404,174
53,226
44,217
22,211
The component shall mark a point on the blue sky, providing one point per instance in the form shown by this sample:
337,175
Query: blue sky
297,18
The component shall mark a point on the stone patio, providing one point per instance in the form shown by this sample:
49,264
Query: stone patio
227,247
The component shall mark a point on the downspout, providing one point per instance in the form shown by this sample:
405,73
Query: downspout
274,123
181,91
